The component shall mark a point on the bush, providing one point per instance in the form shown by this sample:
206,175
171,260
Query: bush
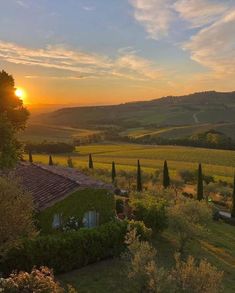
147,276
71,250
189,219
39,280
119,205
151,211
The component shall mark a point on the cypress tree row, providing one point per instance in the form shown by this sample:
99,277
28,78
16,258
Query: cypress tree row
90,162
50,161
166,177
200,183
139,181
30,156
233,200
113,172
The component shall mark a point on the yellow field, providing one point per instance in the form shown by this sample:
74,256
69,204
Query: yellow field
218,163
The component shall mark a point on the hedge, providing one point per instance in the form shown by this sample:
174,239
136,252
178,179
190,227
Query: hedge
71,250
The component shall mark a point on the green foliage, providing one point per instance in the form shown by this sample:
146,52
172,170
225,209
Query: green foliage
113,173
233,200
70,162
38,280
30,156
200,183
16,215
139,180
151,211
166,177
90,164
189,219
50,161
119,205
13,117
71,250
76,205
187,175
50,147
187,276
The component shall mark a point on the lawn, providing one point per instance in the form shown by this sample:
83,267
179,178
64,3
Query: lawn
219,163
110,276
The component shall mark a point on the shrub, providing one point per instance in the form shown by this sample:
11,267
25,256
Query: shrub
147,276
151,211
188,176
16,215
189,219
71,250
39,280
119,205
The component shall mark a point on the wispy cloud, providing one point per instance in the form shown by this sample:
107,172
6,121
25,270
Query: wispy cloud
22,3
155,15
83,65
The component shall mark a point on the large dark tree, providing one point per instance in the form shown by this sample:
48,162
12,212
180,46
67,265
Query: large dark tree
13,117
200,183
166,177
139,179
50,161
233,200
113,172
90,164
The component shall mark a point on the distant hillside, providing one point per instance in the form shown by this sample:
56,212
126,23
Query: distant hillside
198,108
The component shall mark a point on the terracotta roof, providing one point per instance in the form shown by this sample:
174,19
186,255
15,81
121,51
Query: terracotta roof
45,186
49,184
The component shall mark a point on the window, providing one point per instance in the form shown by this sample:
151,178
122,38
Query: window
91,219
57,221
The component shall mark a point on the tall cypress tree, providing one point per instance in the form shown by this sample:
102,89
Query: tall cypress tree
200,183
90,164
113,172
166,177
233,200
30,156
50,161
139,180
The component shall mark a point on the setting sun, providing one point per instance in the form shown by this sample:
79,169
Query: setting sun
20,93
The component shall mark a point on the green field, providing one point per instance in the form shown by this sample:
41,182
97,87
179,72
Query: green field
37,132
218,163
109,276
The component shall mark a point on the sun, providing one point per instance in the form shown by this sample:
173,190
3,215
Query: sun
20,93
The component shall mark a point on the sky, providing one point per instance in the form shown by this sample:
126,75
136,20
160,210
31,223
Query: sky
96,52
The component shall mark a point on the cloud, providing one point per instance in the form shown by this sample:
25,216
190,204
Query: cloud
155,15
22,3
200,12
214,46
126,64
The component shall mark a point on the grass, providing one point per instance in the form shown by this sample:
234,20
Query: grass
109,276
218,163
36,132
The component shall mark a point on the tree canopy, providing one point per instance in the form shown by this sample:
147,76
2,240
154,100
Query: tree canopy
13,117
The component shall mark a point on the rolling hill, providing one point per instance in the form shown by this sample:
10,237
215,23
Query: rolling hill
198,108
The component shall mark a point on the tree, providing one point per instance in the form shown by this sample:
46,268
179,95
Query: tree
50,161
30,156
90,164
39,280
139,180
113,172
70,162
16,214
166,177
189,219
233,200
13,117
200,183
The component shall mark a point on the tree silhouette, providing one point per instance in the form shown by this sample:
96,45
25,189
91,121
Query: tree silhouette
70,162
200,183
50,161
139,179
113,172
233,200
13,117
91,166
30,156
166,177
